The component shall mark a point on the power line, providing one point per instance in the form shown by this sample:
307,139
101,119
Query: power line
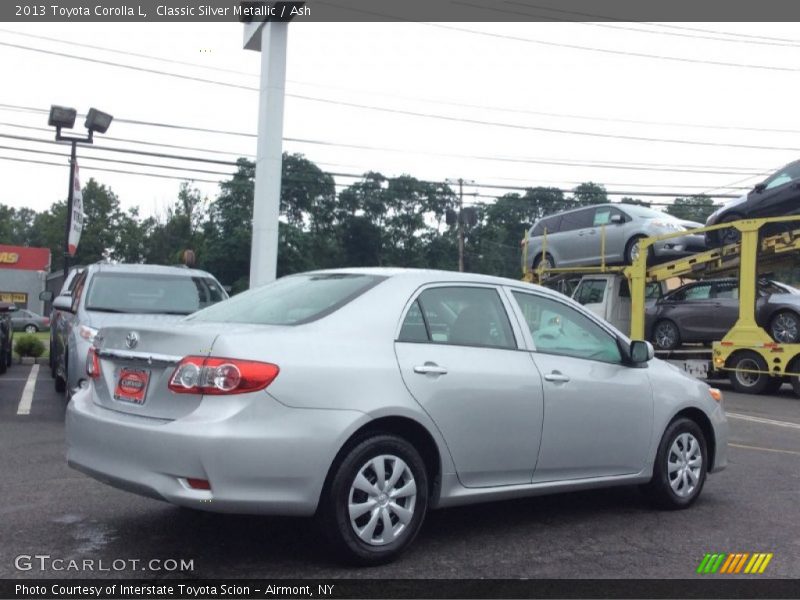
427,115
429,100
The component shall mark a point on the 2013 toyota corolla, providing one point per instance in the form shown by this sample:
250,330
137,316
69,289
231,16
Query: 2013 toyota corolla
368,396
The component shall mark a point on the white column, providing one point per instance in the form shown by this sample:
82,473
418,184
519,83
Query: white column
266,201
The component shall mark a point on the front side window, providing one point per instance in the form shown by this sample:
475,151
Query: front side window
591,291
460,316
557,328
122,292
784,176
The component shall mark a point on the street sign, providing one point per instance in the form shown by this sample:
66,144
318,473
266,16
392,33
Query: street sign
76,218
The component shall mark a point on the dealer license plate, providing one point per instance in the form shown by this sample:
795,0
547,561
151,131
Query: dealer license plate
132,385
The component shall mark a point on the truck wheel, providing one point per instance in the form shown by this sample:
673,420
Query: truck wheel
785,327
747,382
794,367
680,468
666,335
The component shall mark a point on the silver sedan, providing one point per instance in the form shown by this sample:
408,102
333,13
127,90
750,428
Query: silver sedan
369,396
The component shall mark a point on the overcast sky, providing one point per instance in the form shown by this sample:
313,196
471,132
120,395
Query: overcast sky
493,90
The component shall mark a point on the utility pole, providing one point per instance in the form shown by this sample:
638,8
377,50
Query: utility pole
460,225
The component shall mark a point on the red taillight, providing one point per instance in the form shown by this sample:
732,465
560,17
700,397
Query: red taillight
47,322
92,364
198,484
210,375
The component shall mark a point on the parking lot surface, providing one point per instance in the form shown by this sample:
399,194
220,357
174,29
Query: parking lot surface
48,509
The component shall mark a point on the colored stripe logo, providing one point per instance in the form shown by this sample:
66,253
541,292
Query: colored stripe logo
735,564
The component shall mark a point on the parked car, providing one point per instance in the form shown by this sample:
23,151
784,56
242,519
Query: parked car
6,335
368,396
704,311
125,295
573,237
29,321
776,196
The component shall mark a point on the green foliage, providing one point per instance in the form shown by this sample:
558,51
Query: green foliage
28,345
695,208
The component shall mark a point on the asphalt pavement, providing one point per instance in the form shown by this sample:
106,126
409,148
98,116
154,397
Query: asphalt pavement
48,509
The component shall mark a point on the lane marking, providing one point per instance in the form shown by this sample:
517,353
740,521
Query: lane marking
763,421
763,449
25,402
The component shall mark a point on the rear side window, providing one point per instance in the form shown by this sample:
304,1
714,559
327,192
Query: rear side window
291,300
549,223
577,220
696,292
460,316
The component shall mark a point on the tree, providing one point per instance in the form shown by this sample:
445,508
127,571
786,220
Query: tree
635,201
589,193
695,208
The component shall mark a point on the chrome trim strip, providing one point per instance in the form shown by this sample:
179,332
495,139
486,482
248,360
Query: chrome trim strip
140,356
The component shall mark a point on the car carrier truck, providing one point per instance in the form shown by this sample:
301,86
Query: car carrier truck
747,355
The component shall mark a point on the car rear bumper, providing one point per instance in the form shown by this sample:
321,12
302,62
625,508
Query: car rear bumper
259,456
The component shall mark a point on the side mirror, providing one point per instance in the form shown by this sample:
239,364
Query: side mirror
641,352
46,296
63,303
616,219
760,187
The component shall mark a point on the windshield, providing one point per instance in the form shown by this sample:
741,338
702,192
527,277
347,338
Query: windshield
152,293
646,213
291,300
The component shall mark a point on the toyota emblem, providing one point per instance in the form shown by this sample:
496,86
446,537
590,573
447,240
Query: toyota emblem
131,340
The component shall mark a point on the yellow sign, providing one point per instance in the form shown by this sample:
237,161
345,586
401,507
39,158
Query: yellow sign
13,297
9,258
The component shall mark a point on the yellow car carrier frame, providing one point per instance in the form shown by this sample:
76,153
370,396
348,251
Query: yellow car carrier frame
747,352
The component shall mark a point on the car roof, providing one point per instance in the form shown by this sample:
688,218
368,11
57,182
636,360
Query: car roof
423,276
146,268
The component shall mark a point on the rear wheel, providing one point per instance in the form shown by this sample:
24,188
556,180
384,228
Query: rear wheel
4,360
795,379
31,329
666,335
547,262
785,327
743,378
680,468
376,501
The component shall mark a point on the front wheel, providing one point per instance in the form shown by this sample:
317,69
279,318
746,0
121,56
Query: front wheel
680,469
785,327
376,501
744,375
729,235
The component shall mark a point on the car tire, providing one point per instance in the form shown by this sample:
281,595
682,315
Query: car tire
729,235
31,329
680,468
359,538
549,263
4,362
666,335
748,383
774,384
784,327
631,248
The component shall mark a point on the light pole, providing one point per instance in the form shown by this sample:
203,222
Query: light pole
62,117
462,217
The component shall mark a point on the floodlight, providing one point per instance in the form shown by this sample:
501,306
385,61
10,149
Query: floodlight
62,116
97,120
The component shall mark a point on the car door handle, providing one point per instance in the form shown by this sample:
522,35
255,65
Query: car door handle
430,369
556,377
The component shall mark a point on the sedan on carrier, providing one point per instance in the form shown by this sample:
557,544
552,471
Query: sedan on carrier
704,311
369,396
573,238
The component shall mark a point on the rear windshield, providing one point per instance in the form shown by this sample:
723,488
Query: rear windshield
152,293
291,300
